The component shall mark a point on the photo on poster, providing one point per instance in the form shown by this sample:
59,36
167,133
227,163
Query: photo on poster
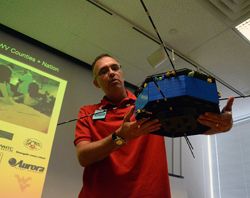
27,95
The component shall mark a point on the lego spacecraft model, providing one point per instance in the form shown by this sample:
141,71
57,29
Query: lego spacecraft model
177,99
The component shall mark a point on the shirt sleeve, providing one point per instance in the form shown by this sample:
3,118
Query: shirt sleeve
82,130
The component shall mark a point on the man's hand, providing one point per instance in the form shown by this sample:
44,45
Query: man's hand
131,130
218,122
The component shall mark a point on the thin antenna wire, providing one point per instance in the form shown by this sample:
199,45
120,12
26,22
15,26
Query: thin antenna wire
162,43
95,114
235,97
189,144
165,99
77,119
173,58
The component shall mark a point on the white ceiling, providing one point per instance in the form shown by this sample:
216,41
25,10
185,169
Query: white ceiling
198,30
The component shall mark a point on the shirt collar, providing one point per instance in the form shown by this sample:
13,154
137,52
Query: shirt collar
105,102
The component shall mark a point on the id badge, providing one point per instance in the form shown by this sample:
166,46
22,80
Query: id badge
100,114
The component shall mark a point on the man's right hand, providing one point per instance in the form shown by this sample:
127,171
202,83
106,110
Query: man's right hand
131,130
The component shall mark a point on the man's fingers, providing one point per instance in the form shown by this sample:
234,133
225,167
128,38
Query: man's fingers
146,122
215,116
217,126
129,114
147,128
141,121
229,104
149,125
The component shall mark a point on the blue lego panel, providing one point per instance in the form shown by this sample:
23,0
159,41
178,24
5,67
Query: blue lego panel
202,89
142,100
171,87
181,86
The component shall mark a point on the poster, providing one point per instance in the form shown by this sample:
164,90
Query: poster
30,103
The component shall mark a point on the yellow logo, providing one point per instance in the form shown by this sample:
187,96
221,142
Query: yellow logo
32,144
23,182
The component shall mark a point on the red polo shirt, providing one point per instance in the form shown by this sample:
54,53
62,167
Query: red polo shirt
137,169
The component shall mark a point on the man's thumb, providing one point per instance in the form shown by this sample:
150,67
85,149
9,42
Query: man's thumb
129,114
229,104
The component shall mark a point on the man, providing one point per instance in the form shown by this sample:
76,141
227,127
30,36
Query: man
120,158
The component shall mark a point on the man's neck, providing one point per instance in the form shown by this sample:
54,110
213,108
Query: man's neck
117,97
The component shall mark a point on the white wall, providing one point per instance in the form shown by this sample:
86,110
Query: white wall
178,187
230,166
196,171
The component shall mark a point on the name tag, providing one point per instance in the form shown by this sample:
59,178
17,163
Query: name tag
100,114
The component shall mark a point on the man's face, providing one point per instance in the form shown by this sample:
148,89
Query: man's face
111,79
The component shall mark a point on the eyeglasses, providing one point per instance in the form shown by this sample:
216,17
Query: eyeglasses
103,71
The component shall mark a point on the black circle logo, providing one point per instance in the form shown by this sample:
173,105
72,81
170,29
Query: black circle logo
12,161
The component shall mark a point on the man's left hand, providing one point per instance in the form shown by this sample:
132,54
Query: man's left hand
218,122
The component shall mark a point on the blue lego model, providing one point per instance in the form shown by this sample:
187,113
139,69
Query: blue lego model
177,99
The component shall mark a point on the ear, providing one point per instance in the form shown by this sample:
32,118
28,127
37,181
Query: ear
96,83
